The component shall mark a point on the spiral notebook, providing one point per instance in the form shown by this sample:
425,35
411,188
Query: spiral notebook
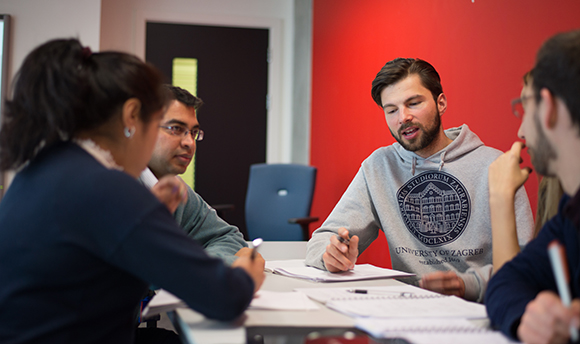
432,331
404,301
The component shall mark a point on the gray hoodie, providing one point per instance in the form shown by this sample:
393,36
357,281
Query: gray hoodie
434,211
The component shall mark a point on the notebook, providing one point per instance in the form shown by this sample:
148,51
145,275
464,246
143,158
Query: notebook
432,331
404,301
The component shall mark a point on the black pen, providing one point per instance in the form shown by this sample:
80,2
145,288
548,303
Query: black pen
367,291
343,240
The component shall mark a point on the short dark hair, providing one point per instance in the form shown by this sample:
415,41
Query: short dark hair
398,69
62,88
558,70
183,96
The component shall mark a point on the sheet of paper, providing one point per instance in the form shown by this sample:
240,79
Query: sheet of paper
272,265
163,301
297,269
432,331
290,301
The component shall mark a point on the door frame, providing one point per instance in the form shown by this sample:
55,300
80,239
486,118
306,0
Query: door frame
279,114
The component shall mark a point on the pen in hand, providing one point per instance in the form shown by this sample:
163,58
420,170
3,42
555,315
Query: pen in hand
255,244
343,240
557,256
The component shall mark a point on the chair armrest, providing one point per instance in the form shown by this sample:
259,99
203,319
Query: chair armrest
304,222
223,207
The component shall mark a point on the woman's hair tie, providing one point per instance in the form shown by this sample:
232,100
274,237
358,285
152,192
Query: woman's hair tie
86,53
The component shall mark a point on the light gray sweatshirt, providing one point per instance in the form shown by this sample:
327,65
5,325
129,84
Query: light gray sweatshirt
434,211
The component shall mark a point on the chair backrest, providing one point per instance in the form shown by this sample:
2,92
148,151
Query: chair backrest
276,193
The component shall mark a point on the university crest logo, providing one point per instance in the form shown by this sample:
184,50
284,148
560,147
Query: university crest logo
435,207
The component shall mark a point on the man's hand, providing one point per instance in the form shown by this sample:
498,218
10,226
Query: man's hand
447,283
340,256
171,191
547,320
505,174
253,267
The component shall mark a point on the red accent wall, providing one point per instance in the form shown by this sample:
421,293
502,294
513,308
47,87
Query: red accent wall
481,49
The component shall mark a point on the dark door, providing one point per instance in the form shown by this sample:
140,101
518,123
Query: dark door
232,82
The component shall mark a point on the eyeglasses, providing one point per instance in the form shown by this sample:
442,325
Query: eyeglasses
180,131
517,106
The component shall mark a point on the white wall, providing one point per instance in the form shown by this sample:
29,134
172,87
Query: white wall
123,28
36,21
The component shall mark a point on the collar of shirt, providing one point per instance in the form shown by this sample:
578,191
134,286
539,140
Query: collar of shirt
572,210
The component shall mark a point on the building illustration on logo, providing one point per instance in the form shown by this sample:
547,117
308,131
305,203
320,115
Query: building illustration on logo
435,207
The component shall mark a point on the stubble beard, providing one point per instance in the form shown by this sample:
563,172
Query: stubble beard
543,151
427,137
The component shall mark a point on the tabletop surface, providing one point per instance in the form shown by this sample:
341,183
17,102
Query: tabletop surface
195,328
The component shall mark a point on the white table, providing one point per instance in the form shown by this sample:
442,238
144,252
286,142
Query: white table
195,328
276,327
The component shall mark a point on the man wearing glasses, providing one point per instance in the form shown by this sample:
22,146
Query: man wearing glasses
179,132
427,193
533,298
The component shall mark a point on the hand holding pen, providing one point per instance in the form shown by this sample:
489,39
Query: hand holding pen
550,318
559,262
342,252
255,245
252,262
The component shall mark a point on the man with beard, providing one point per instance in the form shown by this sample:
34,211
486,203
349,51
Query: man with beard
175,147
522,299
427,193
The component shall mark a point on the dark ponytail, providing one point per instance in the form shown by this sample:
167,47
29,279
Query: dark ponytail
62,88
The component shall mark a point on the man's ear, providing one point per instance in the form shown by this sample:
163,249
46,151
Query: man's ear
442,103
549,108
131,112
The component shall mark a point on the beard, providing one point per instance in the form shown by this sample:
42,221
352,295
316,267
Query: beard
543,151
428,134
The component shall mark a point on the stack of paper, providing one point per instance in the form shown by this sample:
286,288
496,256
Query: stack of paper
296,268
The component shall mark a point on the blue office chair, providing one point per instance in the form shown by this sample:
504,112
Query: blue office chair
278,201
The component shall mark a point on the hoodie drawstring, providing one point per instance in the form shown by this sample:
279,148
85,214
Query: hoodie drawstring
442,158
413,166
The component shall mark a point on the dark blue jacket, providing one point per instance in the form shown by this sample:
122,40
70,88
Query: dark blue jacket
520,280
80,243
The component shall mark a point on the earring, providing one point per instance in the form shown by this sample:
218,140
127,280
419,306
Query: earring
129,132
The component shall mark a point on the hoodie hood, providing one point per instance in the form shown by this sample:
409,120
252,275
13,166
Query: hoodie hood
464,142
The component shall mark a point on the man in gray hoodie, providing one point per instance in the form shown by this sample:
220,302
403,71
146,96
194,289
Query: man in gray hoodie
428,193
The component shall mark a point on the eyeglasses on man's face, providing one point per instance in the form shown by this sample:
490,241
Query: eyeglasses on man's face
518,107
180,131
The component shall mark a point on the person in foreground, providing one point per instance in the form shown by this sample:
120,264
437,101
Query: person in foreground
81,240
173,152
522,298
427,192
505,178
